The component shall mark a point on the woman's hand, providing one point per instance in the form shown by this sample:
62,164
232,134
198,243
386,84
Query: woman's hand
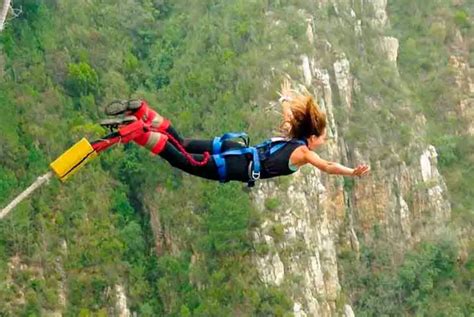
361,170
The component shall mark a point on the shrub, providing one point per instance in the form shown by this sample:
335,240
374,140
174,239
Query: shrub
82,79
461,18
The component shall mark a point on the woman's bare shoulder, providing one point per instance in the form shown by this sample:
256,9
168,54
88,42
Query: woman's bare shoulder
298,155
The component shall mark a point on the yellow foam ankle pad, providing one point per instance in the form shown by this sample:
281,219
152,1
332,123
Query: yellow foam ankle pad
73,159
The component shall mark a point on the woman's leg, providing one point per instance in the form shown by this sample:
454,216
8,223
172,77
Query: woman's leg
180,161
201,146
146,113
158,143
197,146
155,142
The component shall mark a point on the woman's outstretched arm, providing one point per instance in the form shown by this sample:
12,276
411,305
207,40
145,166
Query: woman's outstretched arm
333,167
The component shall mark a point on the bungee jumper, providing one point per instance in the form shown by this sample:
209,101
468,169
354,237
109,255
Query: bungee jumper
222,158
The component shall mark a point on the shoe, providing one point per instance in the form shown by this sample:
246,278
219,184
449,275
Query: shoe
117,107
141,110
116,123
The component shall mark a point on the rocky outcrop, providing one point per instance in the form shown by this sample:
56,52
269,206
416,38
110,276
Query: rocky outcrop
299,235
308,78
19,276
378,19
389,47
121,302
6,7
62,287
463,77
342,71
407,204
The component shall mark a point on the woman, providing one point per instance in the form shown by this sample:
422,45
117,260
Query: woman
304,128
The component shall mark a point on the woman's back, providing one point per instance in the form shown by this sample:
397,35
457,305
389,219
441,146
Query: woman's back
278,163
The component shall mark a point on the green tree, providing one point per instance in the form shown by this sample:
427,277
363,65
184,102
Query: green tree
82,79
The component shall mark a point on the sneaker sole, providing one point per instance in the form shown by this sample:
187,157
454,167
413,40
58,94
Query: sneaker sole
117,107
116,122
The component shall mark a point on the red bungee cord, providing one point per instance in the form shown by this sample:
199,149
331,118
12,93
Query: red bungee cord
188,156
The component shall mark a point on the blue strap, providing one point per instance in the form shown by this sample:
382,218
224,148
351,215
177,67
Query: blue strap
216,145
270,141
273,145
277,147
234,135
217,142
248,150
221,167
263,144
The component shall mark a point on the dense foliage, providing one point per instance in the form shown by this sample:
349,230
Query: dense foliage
65,60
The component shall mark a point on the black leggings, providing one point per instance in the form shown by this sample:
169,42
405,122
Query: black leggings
237,166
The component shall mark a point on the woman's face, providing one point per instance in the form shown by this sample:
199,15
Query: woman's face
315,141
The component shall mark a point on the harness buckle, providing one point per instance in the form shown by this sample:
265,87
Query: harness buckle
255,175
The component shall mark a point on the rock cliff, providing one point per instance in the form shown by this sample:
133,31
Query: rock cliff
310,216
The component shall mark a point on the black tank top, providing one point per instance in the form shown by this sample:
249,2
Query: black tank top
278,163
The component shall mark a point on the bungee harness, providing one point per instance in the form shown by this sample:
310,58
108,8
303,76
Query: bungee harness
258,153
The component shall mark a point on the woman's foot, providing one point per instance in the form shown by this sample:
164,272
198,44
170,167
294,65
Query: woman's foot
125,107
116,123
141,110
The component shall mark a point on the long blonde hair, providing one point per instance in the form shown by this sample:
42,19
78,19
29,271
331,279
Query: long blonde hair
302,117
